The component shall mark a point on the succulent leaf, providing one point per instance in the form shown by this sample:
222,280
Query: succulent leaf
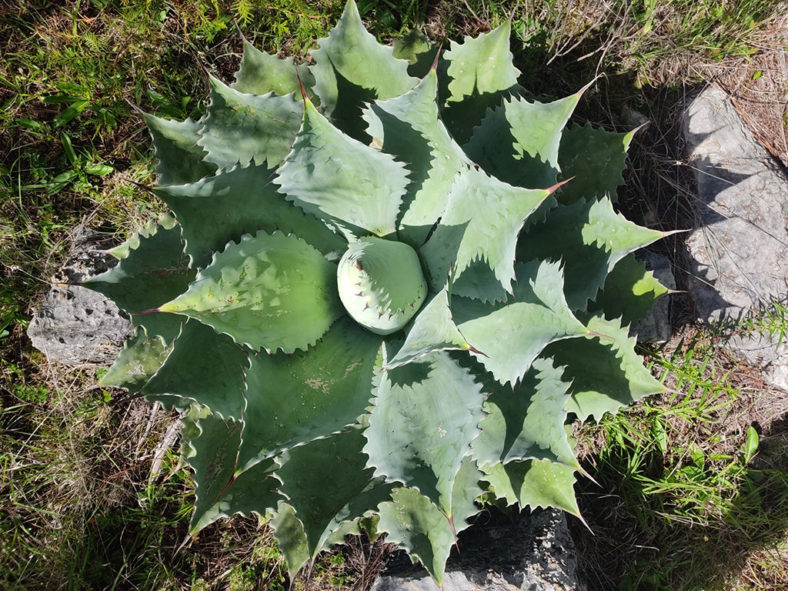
140,358
342,181
506,339
526,421
239,128
351,68
534,483
206,367
596,158
629,292
240,201
432,330
180,158
408,127
261,73
154,270
296,398
329,486
269,291
212,444
481,72
605,237
605,371
482,220
421,426
518,141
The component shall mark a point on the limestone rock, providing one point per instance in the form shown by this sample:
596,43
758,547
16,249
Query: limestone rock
738,253
532,552
76,325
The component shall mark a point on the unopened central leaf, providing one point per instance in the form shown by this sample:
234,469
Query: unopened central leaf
381,284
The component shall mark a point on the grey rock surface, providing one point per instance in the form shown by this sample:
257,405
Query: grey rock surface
738,253
75,325
656,326
532,552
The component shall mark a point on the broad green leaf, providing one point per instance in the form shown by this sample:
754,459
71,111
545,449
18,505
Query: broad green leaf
593,239
269,291
605,371
239,128
240,201
211,445
467,488
414,523
254,491
629,292
139,359
154,270
596,158
408,127
261,73
351,68
290,536
431,330
309,394
526,421
506,339
420,429
481,73
518,141
418,50
481,222
329,486
206,367
180,158
534,483
340,180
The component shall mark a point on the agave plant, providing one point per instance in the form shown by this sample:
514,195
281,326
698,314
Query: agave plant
389,282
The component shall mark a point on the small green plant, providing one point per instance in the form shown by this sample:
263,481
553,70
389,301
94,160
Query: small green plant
388,282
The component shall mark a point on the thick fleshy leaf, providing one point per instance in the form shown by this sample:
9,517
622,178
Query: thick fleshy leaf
596,158
534,483
593,239
241,127
309,394
342,181
139,359
481,73
629,292
414,523
605,371
417,48
352,68
481,222
328,485
431,330
291,538
269,291
518,141
506,339
421,427
240,201
408,127
206,367
527,421
180,158
154,270
211,447
261,73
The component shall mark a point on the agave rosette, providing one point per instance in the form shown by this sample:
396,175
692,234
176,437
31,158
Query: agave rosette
377,300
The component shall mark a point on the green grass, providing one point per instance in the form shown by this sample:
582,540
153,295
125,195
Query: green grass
78,509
